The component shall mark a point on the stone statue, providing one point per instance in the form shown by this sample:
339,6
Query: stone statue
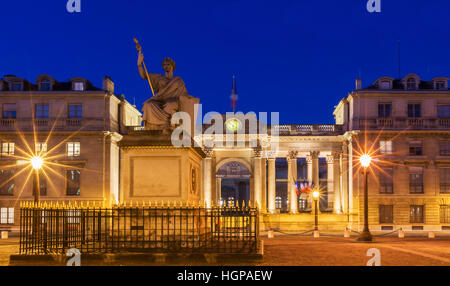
170,95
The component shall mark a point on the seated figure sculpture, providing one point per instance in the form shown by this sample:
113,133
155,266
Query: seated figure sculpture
170,97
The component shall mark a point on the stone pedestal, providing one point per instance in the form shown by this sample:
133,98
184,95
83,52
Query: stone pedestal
154,170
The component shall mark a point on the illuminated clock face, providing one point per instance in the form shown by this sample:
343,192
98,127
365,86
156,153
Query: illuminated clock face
233,124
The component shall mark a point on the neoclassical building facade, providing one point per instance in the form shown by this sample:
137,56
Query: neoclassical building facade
406,121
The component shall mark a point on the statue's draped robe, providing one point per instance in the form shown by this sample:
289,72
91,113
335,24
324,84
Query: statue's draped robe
159,109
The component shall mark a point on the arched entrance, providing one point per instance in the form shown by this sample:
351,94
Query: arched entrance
233,183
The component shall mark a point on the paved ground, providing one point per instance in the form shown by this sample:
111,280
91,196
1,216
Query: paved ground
330,251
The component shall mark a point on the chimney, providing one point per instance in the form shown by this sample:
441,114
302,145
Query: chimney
358,83
108,84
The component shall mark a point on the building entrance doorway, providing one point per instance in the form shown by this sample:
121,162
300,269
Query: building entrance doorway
234,184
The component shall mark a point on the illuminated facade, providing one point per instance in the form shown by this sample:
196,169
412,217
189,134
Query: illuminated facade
408,122
85,123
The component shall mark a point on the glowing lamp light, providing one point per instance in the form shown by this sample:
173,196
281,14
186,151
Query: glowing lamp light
37,162
365,160
315,194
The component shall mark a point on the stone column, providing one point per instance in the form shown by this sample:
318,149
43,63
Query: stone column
313,167
334,183
257,176
330,180
218,190
292,179
207,176
345,178
271,185
313,172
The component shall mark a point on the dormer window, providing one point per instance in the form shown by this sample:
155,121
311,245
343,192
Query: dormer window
45,85
78,86
411,84
385,84
440,85
16,86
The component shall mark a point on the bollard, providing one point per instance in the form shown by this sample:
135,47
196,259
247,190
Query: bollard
347,233
401,234
431,234
270,234
316,234
4,235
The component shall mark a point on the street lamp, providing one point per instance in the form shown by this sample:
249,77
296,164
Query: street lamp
36,163
365,161
316,196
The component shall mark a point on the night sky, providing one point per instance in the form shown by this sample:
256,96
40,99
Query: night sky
295,57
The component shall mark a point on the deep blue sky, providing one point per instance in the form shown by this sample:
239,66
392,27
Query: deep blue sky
295,57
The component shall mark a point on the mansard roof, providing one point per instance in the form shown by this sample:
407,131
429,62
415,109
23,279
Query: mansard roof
401,84
57,85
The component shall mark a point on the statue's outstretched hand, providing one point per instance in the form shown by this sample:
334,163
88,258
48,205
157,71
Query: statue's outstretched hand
140,59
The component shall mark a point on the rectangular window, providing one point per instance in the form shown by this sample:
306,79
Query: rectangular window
385,147
45,85
443,110
440,85
444,148
387,181
384,110
416,214
281,185
42,185
415,148
416,180
42,111
16,86
7,148
9,111
6,215
445,214
40,148
444,178
73,182
386,213
73,149
7,182
78,86
385,84
75,111
414,110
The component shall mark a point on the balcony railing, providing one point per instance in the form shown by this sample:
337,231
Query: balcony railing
283,130
403,123
58,124
301,130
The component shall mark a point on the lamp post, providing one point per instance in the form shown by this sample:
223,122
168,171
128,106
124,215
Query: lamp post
36,163
365,161
316,196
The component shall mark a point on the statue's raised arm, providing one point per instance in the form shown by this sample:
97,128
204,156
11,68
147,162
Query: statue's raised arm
139,63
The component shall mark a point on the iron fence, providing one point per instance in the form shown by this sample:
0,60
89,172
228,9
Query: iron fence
53,229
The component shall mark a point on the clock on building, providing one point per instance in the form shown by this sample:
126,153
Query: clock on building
233,124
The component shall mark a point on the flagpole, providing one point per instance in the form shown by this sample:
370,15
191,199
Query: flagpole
139,49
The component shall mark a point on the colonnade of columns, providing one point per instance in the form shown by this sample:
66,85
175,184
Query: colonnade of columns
258,187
